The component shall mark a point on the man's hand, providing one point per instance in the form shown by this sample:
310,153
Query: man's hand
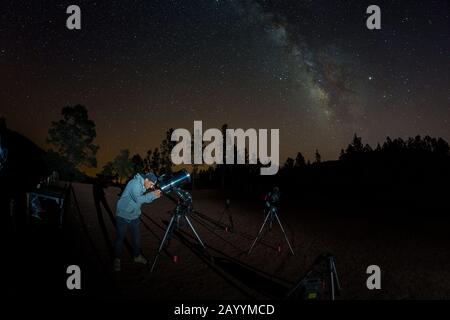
157,193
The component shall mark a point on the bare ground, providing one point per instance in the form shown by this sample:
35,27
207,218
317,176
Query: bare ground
413,253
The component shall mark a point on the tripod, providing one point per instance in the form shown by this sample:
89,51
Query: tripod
270,217
334,279
330,269
182,209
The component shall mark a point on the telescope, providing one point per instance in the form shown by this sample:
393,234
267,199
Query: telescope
168,183
273,197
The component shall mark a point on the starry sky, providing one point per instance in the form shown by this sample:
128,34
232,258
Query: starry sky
310,68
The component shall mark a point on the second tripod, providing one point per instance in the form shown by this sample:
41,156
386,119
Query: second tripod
270,217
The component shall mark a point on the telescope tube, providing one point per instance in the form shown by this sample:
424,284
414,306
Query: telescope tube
177,179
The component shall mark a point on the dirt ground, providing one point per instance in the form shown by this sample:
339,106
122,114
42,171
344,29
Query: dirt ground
413,253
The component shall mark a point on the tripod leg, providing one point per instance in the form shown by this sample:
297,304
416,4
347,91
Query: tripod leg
195,232
336,276
332,283
231,220
285,236
259,233
161,245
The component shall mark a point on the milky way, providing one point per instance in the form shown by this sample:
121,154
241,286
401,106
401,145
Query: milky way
321,72
310,68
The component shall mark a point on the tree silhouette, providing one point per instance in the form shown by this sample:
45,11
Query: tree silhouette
166,148
155,163
121,166
356,149
442,148
300,160
73,136
148,161
398,149
357,144
289,164
378,148
318,157
342,155
138,163
108,169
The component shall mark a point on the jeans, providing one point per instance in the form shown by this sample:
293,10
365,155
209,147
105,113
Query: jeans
121,227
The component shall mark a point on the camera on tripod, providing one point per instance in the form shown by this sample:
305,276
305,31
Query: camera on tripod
271,215
272,198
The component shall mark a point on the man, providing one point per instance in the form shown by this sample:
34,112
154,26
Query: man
128,214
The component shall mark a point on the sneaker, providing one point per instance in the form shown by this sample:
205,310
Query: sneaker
117,264
140,259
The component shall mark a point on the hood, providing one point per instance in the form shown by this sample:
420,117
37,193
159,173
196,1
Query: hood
139,178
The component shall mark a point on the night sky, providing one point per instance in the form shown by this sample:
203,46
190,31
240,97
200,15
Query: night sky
310,68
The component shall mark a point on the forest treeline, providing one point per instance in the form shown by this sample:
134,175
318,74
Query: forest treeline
395,171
